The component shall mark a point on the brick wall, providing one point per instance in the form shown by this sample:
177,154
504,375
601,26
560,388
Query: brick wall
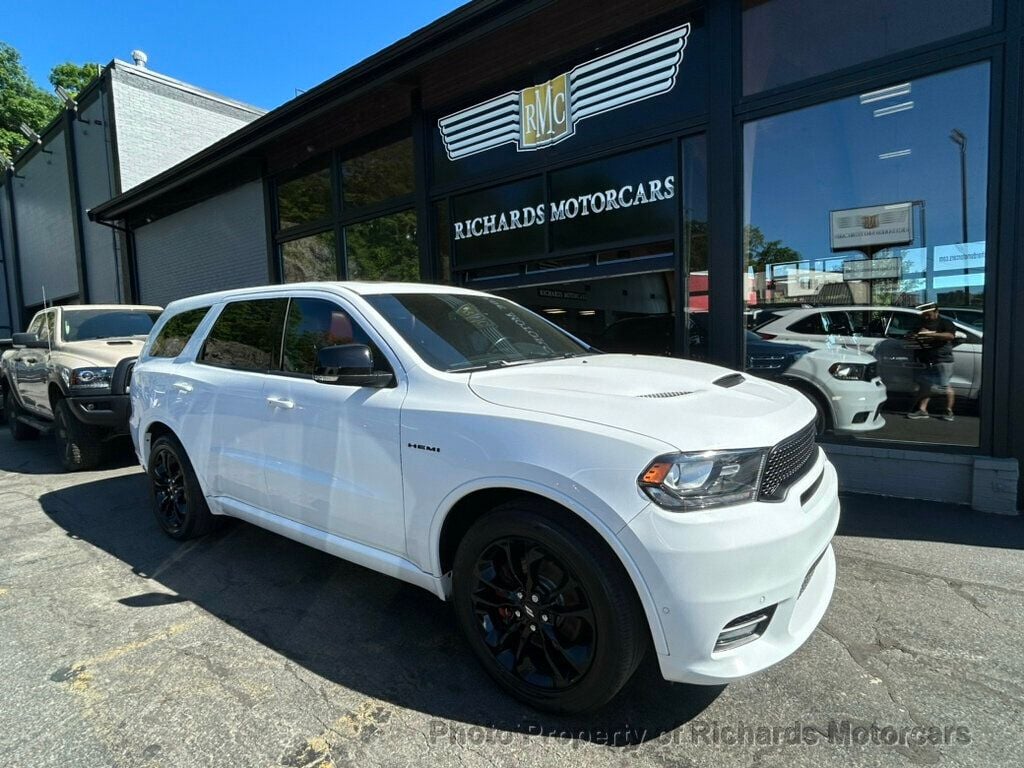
214,245
160,124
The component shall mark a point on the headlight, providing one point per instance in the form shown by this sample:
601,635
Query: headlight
691,481
848,371
90,379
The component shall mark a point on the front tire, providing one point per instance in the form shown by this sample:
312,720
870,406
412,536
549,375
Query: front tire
80,446
547,608
19,429
178,502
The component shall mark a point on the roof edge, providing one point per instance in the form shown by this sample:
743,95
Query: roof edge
325,95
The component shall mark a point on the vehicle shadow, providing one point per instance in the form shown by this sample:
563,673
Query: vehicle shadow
878,517
350,625
39,456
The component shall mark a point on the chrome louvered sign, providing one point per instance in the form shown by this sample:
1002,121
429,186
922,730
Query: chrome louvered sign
547,113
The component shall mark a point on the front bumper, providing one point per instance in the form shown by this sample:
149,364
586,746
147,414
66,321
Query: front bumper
705,569
108,411
857,407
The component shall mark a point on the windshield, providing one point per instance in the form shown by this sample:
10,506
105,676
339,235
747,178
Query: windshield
88,324
453,332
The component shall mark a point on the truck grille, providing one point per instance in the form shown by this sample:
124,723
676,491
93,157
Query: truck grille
787,462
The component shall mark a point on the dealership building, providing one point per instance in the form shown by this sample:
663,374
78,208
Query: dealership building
128,124
665,177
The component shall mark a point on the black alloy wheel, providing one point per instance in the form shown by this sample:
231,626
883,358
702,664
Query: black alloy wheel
547,607
178,502
534,616
168,477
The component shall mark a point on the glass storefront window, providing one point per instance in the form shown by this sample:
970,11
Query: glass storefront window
384,248
857,212
312,258
630,314
785,41
304,200
379,175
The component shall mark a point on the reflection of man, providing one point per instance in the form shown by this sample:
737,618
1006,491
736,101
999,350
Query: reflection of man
934,338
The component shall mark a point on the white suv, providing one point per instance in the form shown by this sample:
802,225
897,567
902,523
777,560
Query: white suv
575,507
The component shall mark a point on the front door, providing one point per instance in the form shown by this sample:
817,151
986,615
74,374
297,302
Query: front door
32,373
333,451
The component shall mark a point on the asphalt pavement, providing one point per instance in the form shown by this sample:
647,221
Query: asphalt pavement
120,647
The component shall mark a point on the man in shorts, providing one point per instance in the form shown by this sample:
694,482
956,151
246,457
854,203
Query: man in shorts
934,339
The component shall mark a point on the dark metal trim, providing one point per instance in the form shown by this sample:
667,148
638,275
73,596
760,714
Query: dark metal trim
274,266
430,266
726,343
19,297
70,147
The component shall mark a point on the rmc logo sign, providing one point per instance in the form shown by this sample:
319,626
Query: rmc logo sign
547,113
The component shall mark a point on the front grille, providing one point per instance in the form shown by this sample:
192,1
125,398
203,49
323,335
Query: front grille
787,462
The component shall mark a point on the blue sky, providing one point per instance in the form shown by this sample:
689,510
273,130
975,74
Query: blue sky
255,51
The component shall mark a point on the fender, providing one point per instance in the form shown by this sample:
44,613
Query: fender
558,497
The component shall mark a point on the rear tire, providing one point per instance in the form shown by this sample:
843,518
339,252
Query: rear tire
547,608
19,430
178,502
80,445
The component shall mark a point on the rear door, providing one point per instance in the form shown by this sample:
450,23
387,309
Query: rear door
220,400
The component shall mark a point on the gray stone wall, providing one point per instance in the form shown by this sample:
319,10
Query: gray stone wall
46,237
218,244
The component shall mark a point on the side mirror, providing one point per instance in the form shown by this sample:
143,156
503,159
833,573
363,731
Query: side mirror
960,336
29,340
350,365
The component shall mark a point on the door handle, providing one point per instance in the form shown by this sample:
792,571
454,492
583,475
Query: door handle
183,386
280,402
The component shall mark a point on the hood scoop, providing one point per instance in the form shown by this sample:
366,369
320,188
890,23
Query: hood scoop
729,381
680,393
120,342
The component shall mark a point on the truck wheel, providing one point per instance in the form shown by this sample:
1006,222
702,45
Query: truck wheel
79,445
19,430
547,608
178,502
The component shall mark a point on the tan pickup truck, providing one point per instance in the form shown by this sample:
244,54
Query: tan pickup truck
69,374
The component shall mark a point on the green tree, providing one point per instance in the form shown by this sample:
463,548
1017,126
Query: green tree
73,77
760,251
21,101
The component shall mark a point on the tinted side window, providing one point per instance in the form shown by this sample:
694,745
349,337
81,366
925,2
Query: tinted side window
176,333
810,324
317,323
838,322
246,336
902,324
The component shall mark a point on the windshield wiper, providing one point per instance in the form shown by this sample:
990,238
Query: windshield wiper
495,364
